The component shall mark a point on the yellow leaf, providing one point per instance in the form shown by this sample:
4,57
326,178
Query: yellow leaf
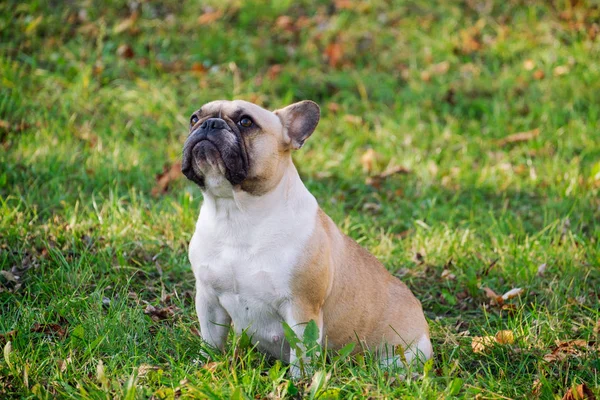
479,344
505,337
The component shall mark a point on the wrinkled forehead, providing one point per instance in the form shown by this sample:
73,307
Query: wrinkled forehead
239,108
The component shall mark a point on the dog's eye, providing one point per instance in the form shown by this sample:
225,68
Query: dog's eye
245,122
194,120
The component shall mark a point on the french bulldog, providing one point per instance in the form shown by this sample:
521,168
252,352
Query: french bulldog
264,253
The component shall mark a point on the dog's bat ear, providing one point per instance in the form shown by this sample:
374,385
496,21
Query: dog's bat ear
299,121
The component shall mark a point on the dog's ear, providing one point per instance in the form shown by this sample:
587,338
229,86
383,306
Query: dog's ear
299,121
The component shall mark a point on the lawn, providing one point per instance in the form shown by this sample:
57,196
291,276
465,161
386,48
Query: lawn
459,142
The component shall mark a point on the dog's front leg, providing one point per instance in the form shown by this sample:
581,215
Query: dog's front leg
214,319
297,316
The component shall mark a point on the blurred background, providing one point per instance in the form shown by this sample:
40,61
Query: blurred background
459,142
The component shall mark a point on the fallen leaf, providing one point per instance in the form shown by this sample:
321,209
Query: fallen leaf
528,65
344,4
519,137
211,366
536,388
353,119
333,108
274,71
143,369
446,274
199,68
539,74
369,160
126,24
125,51
597,328
209,17
579,392
50,329
493,296
569,348
440,68
334,53
561,70
376,180
541,269
8,336
62,364
512,293
163,179
160,313
373,207
285,23
479,344
504,337
9,276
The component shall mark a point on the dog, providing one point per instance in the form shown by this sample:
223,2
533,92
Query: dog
264,253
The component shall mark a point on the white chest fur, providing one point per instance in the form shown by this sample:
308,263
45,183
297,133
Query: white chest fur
243,253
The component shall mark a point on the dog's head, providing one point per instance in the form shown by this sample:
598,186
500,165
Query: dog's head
241,145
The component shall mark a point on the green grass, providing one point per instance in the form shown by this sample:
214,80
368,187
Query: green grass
431,87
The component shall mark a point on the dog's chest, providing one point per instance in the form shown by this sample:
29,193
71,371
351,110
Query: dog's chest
248,267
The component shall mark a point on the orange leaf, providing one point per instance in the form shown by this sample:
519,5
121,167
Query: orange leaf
519,137
504,337
163,179
209,17
579,392
334,53
494,298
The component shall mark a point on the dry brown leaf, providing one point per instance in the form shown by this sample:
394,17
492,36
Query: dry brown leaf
344,4
446,274
597,328
536,388
566,348
561,70
580,392
528,65
199,68
51,329
126,24
143,369
519,137
541,269
440,68
539,74
160,313
209,17
334,53
285,23
504,337
9,276
353,119
333,108
376,180
8,336
274,71
512,293
125,51
163,179
211,366
493,296
62,364
479,344
370,160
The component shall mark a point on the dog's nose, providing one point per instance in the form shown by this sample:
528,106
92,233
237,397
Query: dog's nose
214,123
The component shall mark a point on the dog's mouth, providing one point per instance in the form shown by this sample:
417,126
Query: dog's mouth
218,151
